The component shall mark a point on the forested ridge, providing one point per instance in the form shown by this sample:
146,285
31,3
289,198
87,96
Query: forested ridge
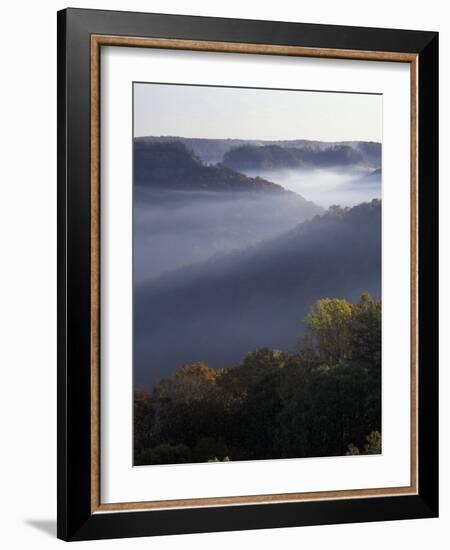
251,157
172,165
215,150
322,399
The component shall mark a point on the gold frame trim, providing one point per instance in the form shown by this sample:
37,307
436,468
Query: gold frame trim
230,47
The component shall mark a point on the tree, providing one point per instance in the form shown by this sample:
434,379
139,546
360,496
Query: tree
190,383
329,324
143,421
324,400
373,445
365,337
197,371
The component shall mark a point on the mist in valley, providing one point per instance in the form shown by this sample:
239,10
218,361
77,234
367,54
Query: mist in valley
328,186
218,310
173,229
228,258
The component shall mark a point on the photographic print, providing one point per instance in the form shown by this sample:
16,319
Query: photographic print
247,274
256,273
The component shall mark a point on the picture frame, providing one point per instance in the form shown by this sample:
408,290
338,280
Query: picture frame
81,36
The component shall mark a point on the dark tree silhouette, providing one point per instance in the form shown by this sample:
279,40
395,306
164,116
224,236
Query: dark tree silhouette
322,400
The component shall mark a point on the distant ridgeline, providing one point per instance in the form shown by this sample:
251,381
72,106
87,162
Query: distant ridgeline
269,157
248,155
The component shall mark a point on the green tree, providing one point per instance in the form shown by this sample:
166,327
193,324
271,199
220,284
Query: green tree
329,324
365,336
274,404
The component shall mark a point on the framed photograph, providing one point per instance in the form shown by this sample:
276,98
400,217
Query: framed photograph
247,274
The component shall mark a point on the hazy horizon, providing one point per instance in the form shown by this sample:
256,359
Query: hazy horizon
171,136
213,112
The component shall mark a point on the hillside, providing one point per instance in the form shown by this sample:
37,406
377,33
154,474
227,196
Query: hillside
219,310
186,211
171,165
214,150
272,157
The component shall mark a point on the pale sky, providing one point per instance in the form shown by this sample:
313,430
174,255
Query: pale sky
215,112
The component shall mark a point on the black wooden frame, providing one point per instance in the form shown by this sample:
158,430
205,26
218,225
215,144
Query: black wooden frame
75,521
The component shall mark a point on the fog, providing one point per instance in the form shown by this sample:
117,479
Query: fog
173,229
219,310
225,263
328,186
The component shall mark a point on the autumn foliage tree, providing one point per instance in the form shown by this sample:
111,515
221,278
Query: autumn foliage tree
322,400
